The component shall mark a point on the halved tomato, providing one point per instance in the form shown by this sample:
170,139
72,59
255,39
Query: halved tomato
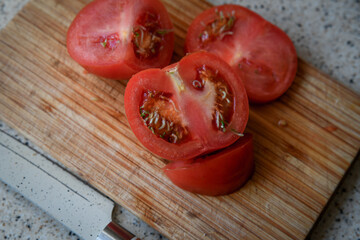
118,38
190,108
261,53
219,173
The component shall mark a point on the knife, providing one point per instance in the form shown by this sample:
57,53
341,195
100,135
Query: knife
75,204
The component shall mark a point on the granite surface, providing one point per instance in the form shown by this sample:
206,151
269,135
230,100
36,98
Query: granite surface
326,33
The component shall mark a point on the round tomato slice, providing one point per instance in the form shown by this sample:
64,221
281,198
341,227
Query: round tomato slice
261,53
190,108
118,38
219,173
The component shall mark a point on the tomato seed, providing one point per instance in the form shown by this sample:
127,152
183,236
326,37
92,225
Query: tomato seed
198,84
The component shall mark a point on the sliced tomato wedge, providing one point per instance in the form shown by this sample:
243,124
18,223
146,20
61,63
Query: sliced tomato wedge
261,53
219,173
118,38
190,108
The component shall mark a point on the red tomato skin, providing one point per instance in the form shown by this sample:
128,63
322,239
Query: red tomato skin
204,140
119,71
122,63
262,46
220,173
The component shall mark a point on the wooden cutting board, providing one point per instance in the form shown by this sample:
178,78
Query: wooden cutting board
304,142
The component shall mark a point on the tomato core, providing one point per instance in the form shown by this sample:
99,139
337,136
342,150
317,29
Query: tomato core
147,36
160,115
224,102
217,29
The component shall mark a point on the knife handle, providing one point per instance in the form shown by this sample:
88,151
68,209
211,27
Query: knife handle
115,232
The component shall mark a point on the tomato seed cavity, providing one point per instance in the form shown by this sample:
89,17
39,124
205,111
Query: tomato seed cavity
147,36
217,29
160,115
224,103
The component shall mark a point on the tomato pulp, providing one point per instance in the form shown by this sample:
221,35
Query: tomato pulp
261,53
190,108
118,38
219,173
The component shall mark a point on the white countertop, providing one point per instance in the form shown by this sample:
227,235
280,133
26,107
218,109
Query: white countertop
325,33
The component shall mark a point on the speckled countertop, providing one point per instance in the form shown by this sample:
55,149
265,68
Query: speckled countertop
326,34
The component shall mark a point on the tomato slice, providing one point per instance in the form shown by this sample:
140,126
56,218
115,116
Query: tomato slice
219,173
261,53
118,38
190,108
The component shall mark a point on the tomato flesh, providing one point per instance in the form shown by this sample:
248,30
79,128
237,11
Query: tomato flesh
118,38
109,41
219,173
190,108
261,53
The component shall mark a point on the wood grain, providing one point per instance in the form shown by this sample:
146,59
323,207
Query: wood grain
79,119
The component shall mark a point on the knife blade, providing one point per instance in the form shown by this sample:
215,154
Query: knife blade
69,200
